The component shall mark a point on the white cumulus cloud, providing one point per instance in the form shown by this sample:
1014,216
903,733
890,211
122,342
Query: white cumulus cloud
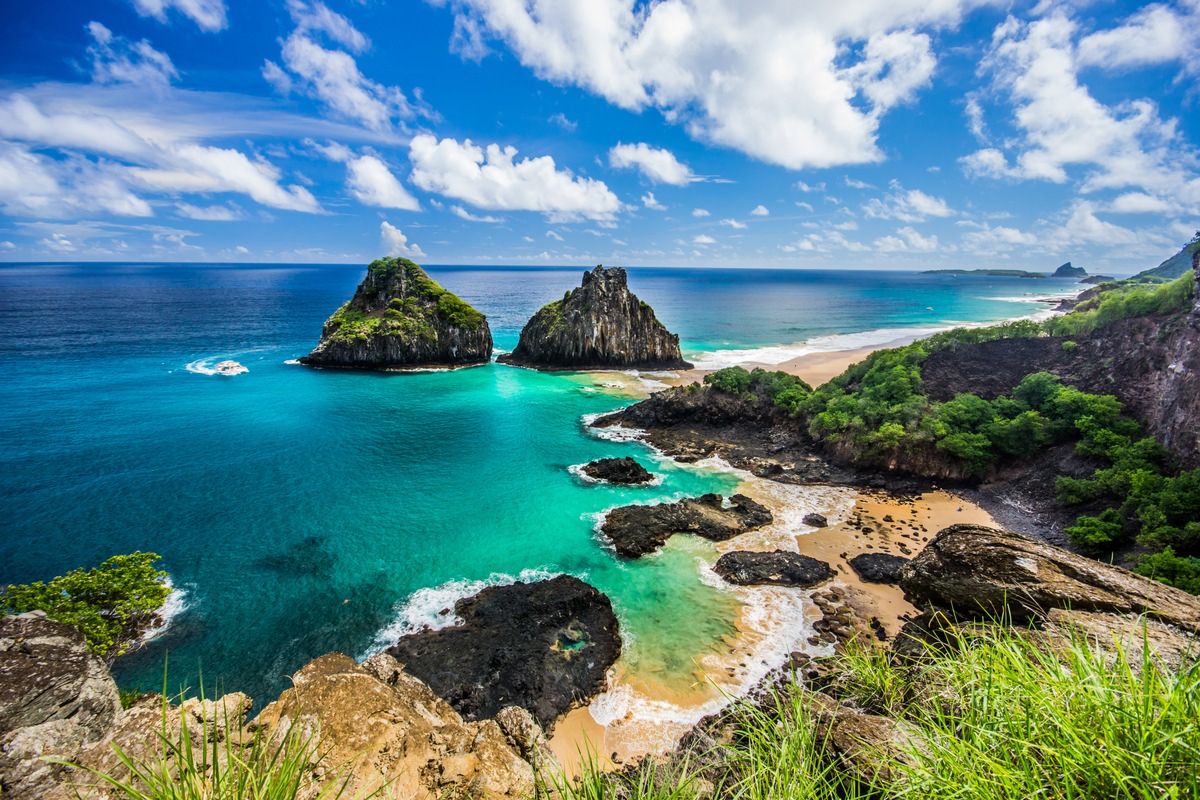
395,243
208,14
491,178
117,60
760,211
1063,133
912,205
790,83
657,164
332,76
373,184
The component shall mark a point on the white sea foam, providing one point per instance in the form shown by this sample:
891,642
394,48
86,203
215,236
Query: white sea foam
617,433
881,337
774,623
835,343
175,604
422,610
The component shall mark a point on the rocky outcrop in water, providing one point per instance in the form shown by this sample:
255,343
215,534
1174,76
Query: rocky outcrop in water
544,646
638,530
400,318
624,471
780,568
1069,270
600,325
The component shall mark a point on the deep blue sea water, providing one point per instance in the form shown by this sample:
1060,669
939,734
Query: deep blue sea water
303,511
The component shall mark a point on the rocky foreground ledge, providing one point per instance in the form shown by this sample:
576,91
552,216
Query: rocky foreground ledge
389,728
600,325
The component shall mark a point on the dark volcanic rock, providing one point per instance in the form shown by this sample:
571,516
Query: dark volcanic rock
600,325
618,470
542,646
997,575
878,567
400,318
638,530
815,520
779,568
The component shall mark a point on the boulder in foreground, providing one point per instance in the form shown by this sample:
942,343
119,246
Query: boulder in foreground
600,325
400,318
544,646
978,571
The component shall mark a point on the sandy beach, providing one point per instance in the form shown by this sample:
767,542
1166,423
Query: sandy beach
859,522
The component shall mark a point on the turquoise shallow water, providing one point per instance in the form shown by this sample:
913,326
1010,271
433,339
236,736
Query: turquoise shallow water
300,510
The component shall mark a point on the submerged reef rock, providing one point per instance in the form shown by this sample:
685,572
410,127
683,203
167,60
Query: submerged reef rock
638,530
878,567
400,318
995,574
543,646
625,471
600,325
779,568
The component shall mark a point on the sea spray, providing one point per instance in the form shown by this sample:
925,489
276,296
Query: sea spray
432,608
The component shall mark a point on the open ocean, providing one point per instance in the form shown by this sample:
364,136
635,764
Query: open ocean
301,511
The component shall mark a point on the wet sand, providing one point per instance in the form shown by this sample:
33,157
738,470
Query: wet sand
859,522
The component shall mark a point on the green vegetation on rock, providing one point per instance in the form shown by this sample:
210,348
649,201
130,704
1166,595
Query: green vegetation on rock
107,603
877,413
1176,265
409,314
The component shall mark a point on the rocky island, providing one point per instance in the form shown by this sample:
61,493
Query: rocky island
400,318
600,325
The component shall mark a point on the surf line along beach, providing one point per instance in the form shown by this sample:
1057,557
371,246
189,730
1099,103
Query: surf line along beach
641,713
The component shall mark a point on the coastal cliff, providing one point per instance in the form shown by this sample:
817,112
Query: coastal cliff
600,325
400,318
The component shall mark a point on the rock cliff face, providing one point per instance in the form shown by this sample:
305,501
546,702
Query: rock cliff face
600,325
1151,364
400,318
55,697
371,725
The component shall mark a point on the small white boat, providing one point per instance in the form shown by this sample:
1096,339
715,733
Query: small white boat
229,368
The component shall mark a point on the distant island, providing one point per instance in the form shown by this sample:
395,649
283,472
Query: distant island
1067,270
998,273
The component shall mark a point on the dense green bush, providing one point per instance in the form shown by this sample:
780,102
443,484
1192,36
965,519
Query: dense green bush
106,603
783,390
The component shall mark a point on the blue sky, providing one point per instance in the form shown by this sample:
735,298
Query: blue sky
868,134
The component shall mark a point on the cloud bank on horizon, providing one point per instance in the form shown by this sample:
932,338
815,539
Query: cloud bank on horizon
872,134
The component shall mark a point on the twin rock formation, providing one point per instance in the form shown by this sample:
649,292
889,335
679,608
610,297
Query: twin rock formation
400,318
